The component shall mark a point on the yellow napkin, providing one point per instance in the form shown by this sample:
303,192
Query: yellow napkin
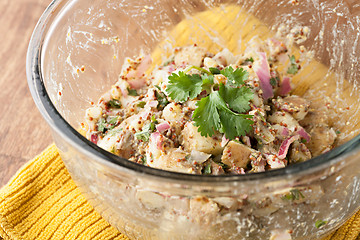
42,202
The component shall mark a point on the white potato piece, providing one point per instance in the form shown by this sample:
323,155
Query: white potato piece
192,140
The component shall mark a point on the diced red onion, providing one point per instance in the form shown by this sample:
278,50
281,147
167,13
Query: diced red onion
145,114
285,132
157,139
285,86
153,103
94,138
284,148
162,127
262,70
143,66
304,134
137,83
224,141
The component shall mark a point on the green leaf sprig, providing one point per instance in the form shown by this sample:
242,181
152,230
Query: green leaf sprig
221,109
293,68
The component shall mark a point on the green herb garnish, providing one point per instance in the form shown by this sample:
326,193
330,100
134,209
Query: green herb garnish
249,60
101,125
141,104
274,81
207,169
183,86
221,109
143,159
162,99
293,68
294,194
114,103
320,223
132,92
144,135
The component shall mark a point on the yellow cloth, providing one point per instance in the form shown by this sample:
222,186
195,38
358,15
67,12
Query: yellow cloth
42,202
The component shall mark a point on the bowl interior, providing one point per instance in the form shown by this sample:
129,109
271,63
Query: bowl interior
87,42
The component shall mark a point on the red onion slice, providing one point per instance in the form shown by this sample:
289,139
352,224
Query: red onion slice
262,70
302,133
162,127
285,86
157,139
143,66
152,103
284,148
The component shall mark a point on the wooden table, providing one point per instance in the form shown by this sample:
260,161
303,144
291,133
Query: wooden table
23,132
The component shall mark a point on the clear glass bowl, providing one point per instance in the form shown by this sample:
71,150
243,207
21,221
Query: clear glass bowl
76,53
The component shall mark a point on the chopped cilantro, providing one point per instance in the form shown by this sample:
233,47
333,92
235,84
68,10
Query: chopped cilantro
293,68
338,132
141,104
236,77
249,60
320,223
182,86
223,165
101,125
294,194
114,120
207,169
114,103
162,99
143,159
144,135
114,131
274,81
132,92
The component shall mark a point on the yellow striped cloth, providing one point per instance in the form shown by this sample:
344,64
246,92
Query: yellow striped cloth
42,202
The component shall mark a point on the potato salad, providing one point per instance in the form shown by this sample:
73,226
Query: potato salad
210,113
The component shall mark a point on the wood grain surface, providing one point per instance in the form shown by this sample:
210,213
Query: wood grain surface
23,132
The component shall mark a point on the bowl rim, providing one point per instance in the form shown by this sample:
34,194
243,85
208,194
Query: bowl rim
62,127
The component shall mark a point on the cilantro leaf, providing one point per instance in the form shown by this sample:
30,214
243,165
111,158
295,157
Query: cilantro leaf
235,125
214,70
235,78
238,99
184,86
207,82
206,115
212,114
293,68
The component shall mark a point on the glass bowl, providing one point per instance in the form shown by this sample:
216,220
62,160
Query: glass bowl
76,53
